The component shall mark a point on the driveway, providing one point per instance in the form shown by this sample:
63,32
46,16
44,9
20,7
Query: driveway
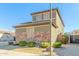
68,50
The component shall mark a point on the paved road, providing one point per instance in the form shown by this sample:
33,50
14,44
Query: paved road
68,50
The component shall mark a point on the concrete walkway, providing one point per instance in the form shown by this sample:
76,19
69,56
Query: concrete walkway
68,50
14,53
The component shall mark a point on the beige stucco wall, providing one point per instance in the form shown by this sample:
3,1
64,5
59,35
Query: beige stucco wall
56,31
42,28
53,34
59,24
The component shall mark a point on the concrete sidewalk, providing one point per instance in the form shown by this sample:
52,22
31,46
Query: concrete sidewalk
14,53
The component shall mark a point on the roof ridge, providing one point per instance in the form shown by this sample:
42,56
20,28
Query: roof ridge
43,11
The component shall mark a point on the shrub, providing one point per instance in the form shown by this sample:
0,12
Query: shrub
31,44
57,44
64,39
44,44
22,43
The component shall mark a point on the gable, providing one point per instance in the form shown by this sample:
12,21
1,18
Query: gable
58,15
59,23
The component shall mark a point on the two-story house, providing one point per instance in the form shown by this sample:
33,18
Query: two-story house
39,29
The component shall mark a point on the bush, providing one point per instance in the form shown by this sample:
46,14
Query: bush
44,44
57,44
64,39
22,43
31,44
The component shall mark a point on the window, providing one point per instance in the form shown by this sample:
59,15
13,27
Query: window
21,30
29,32
37,17
46,16
34,18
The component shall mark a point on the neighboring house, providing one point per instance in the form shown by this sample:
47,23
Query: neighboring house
5,38
74,36
39,29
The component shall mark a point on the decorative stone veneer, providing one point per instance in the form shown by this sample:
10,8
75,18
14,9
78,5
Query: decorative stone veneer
21,36
40,33
42,36
38,37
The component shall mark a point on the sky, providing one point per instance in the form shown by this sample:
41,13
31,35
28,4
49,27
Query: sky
12,14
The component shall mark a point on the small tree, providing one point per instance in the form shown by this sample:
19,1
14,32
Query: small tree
64,39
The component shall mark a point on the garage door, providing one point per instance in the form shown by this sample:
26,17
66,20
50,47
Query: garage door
74,39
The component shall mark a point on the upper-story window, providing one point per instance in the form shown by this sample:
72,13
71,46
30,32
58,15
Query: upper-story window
46,16
34,18
37,17
43,16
